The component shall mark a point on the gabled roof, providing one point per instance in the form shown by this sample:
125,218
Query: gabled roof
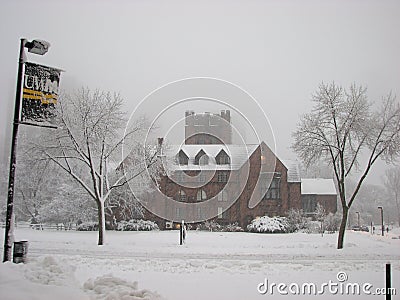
239,154
318,186
182,152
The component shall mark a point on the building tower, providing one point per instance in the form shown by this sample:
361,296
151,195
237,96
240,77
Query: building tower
208,128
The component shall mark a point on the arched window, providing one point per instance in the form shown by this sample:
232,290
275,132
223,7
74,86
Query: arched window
201,195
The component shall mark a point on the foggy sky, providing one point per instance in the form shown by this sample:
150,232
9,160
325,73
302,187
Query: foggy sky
278,51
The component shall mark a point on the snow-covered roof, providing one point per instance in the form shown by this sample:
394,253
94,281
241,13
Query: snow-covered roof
317,186
238,154
293,174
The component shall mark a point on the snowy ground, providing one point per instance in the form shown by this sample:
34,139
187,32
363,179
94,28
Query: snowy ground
211,265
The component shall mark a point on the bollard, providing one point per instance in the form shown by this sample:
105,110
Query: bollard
182,233
20,252
388,282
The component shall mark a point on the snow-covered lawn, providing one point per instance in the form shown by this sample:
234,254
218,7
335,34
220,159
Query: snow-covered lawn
211,265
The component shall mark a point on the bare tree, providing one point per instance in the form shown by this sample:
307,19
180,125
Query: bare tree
342,129
87,141
392,184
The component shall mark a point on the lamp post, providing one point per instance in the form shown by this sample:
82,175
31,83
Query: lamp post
383,229
358,219
37,47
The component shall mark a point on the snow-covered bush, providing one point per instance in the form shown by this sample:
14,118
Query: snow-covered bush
269,225
137,225
233,227
296,220
214,226
313,227
332,222
88,226
209,226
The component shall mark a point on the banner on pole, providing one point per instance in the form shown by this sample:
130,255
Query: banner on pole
40,92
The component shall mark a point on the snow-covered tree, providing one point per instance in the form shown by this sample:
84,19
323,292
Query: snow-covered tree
392,184
69,205
124,203
34,184
342,129
87,141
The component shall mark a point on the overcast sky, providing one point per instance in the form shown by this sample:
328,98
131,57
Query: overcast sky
278,51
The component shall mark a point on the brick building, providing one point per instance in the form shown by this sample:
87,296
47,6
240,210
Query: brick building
209,167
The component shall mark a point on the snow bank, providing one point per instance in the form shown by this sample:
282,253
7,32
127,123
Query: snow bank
48,278
110,287
32,281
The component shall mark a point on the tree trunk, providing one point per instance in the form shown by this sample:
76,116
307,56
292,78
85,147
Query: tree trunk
342,228
102,221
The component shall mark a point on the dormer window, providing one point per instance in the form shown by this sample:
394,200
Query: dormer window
201,158
222,158
183,159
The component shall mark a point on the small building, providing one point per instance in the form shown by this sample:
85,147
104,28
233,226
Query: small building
318,190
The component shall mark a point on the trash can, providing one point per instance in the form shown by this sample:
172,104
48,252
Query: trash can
20,252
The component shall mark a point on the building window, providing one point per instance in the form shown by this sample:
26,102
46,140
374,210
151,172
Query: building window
201,158
274,189
199,213
181,196
309,203
201,195
222,177
223,196
178,213
213,121
202,177
183,159
222,158
220,212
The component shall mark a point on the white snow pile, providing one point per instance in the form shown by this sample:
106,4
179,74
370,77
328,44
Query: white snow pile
109,287
47,270
48,278
269,225
33,281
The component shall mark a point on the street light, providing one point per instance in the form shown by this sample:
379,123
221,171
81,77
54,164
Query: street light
358,219
383,229
37,47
